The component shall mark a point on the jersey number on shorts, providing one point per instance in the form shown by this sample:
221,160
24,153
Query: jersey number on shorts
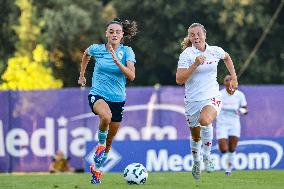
216,101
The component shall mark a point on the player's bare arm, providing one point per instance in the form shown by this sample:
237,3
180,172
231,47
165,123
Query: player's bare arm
183,74
84,63
128,70
230,66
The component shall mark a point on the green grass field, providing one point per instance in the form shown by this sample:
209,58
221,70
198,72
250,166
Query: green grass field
169,180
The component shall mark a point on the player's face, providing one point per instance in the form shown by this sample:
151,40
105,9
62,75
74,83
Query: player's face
114,33
197,37
227,81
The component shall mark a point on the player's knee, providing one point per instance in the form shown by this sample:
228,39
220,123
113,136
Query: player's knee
196,138
232,149
105,118
223,150
204,121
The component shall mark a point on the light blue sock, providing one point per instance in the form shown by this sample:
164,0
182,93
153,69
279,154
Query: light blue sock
104,158
102,135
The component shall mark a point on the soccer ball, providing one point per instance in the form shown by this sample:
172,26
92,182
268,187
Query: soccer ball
135,173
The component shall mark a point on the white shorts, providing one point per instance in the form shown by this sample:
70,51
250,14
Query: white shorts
226,130
193,109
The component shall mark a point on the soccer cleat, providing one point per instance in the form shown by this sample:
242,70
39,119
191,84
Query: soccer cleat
208,164
196,171
228,174
96,175
100,150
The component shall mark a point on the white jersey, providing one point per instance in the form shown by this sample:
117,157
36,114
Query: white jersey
229,110
203,83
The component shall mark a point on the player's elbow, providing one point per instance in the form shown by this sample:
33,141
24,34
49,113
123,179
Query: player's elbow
179,81
131,78
179,78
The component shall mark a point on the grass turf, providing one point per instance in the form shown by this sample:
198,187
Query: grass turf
272,179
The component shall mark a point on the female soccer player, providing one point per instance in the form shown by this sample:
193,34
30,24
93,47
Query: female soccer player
114,64
197,69
228,125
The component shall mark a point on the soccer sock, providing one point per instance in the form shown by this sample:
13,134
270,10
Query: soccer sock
195,149
231,156
104,158
102,135
206,137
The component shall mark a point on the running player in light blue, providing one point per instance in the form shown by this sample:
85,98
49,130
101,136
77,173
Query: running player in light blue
115,63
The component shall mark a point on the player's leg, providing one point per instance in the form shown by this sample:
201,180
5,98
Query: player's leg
192,110
223,145
113,128
103,111
100,108
195,144
207,115
234,134
233,141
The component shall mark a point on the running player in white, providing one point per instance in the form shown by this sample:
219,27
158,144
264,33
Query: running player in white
228,125
197,69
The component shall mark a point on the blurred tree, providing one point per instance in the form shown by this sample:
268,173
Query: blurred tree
8,17
242,23
27,70
235,25
27,74
67,27
70,27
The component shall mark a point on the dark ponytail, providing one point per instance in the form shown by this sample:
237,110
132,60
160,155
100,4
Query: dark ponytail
129,27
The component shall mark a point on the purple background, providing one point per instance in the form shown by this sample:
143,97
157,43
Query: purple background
29,111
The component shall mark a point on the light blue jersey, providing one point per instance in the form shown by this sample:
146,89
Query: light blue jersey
108,81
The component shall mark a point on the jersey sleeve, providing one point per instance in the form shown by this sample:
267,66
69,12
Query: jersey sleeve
243,101
220,53
184,60
92,49
130,56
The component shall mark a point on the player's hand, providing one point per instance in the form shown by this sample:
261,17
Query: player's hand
234,84
199,60
243,111
115,59
82,81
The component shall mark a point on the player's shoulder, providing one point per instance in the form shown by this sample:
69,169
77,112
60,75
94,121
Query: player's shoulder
239,94
97,47
187,52
223,91
126,48
215,48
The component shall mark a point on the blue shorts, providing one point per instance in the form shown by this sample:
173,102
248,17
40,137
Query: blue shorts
116,108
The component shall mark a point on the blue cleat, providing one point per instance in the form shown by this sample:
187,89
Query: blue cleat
100,150
96,175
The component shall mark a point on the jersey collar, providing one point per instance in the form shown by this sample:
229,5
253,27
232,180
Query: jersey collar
195,50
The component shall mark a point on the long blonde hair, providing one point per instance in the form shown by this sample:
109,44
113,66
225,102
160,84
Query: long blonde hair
186,41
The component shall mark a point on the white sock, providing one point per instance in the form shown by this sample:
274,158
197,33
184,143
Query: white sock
231,157
195,149
206,137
